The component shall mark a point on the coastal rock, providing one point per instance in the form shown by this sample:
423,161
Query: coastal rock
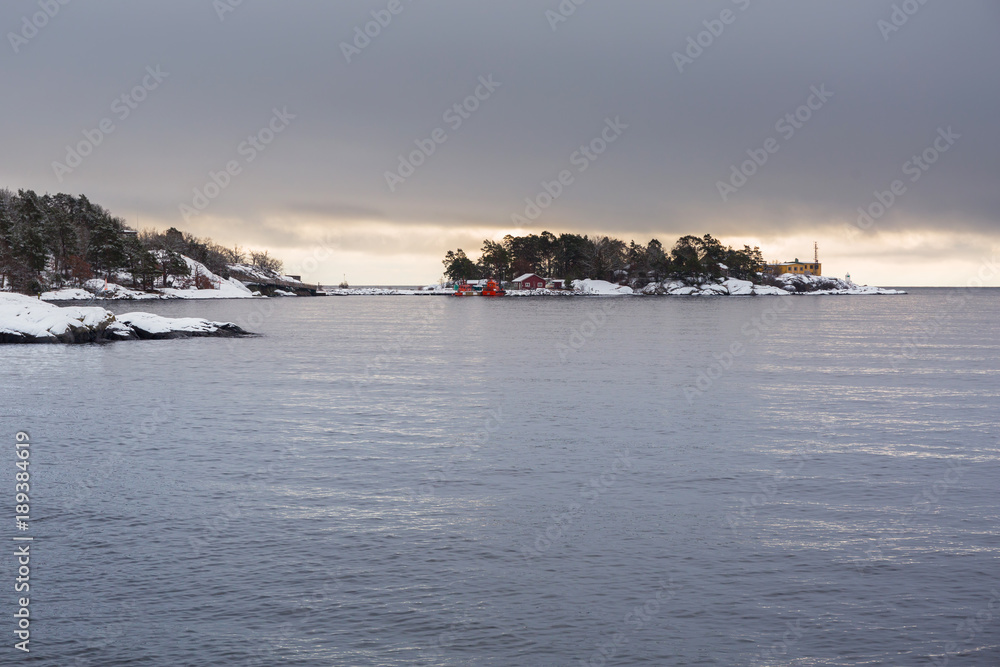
739,287
769,290
148,326
24,319
601,287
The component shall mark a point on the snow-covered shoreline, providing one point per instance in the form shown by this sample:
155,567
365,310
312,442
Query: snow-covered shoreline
24,319
791,285
179,287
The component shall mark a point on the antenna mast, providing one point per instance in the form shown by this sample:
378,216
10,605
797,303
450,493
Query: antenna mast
816,252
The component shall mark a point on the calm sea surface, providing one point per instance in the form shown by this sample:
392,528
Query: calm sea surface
437,481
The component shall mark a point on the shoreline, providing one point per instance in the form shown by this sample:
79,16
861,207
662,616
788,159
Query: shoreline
784,285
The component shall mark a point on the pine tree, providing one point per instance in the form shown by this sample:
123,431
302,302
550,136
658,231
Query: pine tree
107,244
28,242
61,231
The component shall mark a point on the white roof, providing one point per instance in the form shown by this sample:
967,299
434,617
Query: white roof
525,277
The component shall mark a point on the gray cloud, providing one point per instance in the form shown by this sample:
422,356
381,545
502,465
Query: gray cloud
609,59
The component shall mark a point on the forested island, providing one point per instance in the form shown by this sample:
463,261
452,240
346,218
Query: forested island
54,241
571,257
692,266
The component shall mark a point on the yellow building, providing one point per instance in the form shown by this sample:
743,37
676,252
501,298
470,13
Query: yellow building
812,268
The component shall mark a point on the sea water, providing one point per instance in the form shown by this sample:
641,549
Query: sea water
421,480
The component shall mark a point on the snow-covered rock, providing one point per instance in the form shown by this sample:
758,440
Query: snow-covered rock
825,286
601,287
541,292
225,289
856,290
769,290
148,325
376,291
68,294
107,290
738,287
27,320
24,319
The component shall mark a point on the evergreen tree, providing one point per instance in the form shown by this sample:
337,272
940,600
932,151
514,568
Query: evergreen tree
106,252
28,242
459,267
63,239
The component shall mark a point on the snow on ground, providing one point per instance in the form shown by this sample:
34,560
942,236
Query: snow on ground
69,294
376,291
824,285
541,292
253,273
226,289
857,290
105,290
98,289
769,290
601,287
222,288
728,287
792,283
24,319
234,289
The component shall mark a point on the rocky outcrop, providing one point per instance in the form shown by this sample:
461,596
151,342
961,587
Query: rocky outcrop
27,320
784,285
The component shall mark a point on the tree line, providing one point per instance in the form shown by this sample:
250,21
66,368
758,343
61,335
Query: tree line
51,241
571,257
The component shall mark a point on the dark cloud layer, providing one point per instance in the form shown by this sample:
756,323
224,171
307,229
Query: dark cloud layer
891,93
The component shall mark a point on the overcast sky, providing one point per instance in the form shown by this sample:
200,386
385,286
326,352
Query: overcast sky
677,117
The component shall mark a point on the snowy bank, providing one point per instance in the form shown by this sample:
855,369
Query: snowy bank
182,287
601,288
225,289
822,285
784,285
27,320
790,283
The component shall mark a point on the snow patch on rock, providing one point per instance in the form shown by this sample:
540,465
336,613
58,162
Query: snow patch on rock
601,287
24,319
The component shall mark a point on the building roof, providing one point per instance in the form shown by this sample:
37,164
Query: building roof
525,277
